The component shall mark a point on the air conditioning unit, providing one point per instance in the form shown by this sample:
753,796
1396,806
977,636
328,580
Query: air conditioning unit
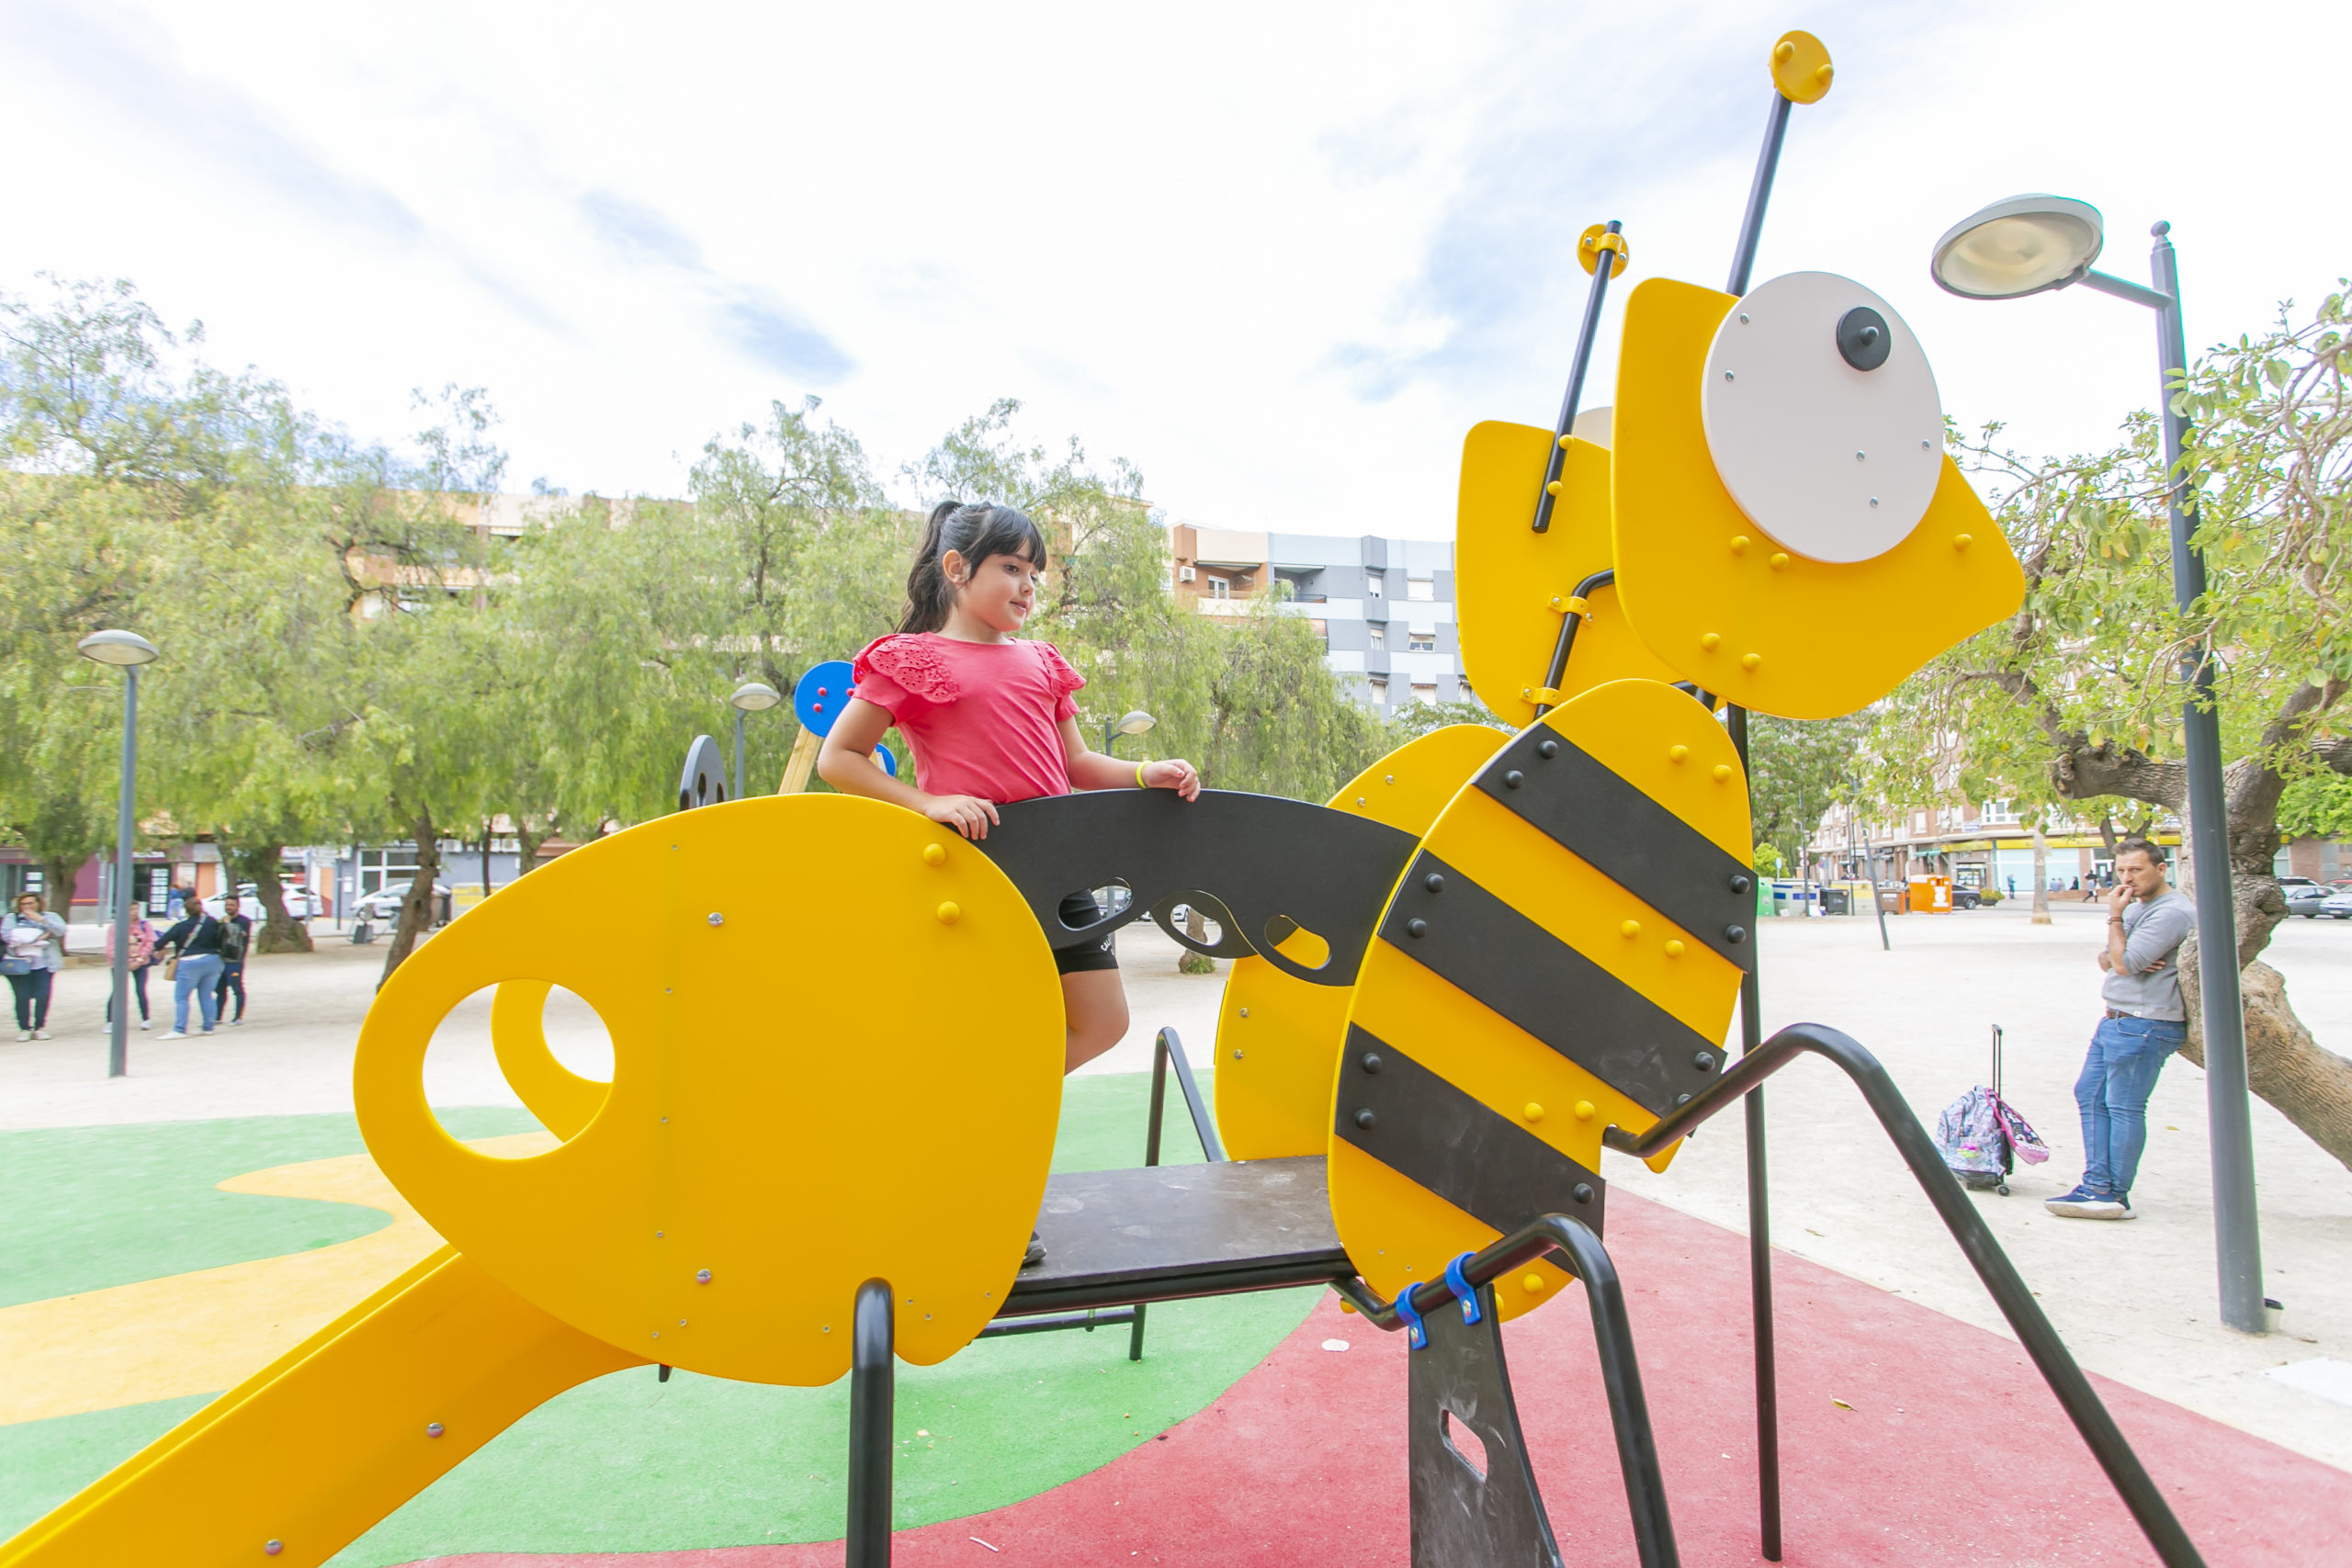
1183,574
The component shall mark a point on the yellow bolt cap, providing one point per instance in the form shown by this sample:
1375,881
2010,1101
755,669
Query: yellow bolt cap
1710,642
1346,1306
1676,754
1739,544
1532,1284
1629,928
1674,949
1552,489
1784,51
1961,541
1533,1111
1779,560
1750,660
935,855
1584,1110
949,914
1563,442
1723,773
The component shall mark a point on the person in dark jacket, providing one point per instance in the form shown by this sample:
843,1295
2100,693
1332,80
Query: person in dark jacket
236,941
196,940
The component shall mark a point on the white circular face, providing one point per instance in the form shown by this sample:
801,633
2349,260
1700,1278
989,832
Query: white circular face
1836,461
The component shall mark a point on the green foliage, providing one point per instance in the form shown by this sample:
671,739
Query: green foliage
2317,806
1413,720
1796,772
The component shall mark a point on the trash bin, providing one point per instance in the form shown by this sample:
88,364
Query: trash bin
1834,901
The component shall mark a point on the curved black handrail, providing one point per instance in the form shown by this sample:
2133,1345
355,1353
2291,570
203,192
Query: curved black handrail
2008,1290
1570,1244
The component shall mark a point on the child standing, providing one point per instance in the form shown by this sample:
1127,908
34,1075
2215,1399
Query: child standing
990,720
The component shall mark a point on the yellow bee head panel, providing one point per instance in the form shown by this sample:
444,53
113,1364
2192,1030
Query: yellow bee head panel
1277,1037
755,1159
1777,468
1560,955
1513,585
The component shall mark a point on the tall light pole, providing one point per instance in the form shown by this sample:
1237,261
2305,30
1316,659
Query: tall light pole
127,651
751,696
1136,722
2025,246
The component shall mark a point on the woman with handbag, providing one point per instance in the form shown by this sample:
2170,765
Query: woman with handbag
142,958
32,952
194,969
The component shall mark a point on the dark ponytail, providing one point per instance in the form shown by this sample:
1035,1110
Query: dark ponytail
976,532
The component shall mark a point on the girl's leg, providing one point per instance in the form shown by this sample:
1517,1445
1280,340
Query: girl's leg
1095,1005
139,983
44,982
22,987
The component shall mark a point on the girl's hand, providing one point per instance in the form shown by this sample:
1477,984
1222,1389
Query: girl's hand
968,813
1172,773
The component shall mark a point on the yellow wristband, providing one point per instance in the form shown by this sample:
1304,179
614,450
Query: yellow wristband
1140,784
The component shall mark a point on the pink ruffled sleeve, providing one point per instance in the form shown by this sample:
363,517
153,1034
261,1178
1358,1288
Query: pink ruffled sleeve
899,673
1064,680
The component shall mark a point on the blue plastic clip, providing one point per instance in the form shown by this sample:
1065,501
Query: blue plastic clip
1416,1334
1461,1286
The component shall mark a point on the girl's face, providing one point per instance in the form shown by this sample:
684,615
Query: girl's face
999,595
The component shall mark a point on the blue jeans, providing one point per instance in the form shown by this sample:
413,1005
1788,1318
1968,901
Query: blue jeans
2119,1075
200,974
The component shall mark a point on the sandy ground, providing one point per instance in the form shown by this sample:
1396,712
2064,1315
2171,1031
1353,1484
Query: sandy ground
2135,1301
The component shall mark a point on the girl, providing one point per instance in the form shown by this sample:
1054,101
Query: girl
990,720
35,947
142,958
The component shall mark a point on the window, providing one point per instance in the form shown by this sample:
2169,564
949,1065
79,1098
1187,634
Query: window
1421,639
1372,584
1220,589
1421,588
1380,691
1379,636
1425,693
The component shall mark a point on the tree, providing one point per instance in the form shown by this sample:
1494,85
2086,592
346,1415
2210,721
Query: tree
2080,687
1796,772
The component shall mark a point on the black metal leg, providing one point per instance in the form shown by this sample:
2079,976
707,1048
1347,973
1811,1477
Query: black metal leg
1135,1336
1768,1373
871,1377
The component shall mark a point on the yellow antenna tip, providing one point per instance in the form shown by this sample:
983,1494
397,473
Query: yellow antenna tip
1800,68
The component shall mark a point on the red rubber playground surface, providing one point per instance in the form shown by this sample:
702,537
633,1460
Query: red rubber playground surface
1953,1451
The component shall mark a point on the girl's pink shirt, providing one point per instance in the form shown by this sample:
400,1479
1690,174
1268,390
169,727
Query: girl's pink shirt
984,718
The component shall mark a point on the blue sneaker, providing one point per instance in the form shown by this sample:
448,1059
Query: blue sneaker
2083,1204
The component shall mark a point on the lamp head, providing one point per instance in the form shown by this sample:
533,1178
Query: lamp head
1136,723
2020,246
119,647
755,696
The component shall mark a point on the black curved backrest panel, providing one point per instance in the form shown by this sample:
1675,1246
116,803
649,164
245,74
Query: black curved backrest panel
703,781
1260,855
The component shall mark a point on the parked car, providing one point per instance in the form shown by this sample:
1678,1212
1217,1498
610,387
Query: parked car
1967,898
384,904
2304,896
2337,904
302,903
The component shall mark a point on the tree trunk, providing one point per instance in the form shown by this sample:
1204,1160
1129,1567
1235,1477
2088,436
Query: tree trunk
486,888
2041,876
57,880
417,908
529,841
257,863
2309,1085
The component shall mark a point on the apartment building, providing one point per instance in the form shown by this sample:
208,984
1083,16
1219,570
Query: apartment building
1977,845
1383,607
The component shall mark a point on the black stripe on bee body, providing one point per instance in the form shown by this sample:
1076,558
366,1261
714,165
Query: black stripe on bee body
1439,1137
1571,798
1472,939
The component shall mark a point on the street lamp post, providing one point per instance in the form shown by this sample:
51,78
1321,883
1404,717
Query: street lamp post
2025,246
127,651
751,696
1136,722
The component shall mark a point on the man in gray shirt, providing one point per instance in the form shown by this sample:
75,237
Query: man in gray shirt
2146,923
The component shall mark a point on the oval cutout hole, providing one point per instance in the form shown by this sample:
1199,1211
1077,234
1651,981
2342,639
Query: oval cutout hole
1296,942
1090,906
1462,1443
462,1069
1202,927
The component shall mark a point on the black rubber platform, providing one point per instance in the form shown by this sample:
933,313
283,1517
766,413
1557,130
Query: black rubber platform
1164,1232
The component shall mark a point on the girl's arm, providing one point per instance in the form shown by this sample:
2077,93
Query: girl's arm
846,763
1089,769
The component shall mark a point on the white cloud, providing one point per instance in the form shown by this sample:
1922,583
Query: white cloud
1281,259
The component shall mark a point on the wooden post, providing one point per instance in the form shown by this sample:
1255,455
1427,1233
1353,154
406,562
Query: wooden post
802,763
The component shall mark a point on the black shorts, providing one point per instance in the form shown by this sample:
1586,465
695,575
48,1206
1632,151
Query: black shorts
1079,909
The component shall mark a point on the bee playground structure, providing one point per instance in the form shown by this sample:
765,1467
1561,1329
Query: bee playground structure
1453,988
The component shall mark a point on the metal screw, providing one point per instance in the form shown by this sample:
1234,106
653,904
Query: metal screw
1434,882
702,1276
1583,1193
1245,1012
1417,928
1513,779
1873,501
1927,446
1740,884
1547,749
1728,376
1236,1056
1681,1100
1860,456
272,1548
1392,778
1734,933
1370,1063
1704,1061
716,918
1365,1119
433,1428
1743,317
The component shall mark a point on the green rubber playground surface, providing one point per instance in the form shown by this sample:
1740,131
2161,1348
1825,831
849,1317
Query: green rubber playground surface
626,1463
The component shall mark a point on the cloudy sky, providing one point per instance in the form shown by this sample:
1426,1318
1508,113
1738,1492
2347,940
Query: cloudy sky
1279,256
